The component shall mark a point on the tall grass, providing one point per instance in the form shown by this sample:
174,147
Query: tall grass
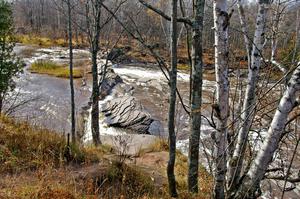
54,69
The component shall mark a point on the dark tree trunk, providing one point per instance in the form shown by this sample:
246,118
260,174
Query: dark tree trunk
196,96
95,102
94,38
172,108
1,104
73,124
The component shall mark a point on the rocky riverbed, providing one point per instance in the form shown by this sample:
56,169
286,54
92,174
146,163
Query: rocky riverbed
134,106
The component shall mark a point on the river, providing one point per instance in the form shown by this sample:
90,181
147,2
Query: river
49,97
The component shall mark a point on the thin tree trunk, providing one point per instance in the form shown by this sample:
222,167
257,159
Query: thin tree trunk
172,108
1,104
237,160
245,32
296,37
95,37
73,124
258,168
274,38
221,108
196,95
95,100
244,26
188,45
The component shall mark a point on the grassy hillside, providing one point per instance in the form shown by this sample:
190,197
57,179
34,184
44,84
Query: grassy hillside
36,163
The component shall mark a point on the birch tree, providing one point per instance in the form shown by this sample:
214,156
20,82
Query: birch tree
221,108
236,163
250,183
93,15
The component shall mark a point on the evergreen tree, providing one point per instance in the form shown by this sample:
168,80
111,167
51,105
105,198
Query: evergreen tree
10,65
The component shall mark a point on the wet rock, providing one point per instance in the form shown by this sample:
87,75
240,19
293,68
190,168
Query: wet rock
156,128
118,55
110,81
127,112
156,84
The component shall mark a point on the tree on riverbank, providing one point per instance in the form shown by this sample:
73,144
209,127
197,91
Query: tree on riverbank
93,17
10,65
172,105
246,125
70,30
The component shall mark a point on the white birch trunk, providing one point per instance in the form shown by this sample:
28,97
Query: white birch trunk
250,99
265,155
221,22
244,28
274,41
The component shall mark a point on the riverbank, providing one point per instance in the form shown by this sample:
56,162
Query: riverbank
37,163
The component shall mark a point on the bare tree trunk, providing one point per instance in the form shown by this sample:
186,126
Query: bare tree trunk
95,98
244,30
221,108
73,124
172,107
296,37
196,95
94,34
188,37
258,168
237,160
1,104
274,39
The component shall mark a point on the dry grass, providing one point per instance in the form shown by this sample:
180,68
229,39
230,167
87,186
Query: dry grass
40,41
181,171
33,165
54,69
27,148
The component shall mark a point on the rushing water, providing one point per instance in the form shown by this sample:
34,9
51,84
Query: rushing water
49,97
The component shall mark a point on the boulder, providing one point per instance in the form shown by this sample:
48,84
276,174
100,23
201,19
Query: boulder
110,81
127,112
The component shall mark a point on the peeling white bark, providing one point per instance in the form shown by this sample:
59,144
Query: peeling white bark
274,135
236,163
221,22
278,65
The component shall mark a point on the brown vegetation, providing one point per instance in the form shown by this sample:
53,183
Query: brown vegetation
34,164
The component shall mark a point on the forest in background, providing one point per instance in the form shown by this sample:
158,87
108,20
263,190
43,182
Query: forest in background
249,51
